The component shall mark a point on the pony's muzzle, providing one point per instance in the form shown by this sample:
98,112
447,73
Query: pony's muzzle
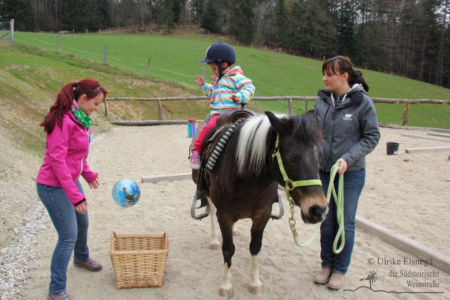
316,214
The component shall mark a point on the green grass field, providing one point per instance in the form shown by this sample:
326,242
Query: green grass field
176,58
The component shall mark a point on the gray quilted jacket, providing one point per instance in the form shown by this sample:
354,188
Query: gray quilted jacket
350,130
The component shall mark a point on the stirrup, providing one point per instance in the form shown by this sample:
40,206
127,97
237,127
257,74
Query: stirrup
274,217
193,208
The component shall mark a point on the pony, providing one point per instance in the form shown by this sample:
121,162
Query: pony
244,182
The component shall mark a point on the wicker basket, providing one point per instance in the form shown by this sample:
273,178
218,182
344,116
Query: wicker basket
139,260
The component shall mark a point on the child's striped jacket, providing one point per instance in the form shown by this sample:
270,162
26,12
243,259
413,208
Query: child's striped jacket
219,93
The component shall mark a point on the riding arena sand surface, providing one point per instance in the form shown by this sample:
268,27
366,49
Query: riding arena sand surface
407,193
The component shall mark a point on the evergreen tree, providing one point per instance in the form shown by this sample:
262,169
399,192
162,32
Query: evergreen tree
20,11
197,7
281,23
210,17
240,20
311,30
166,16
346,31
177,10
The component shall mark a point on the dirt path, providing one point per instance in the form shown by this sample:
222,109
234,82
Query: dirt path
407,196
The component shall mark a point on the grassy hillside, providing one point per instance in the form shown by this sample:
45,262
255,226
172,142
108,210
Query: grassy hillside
29,81
176,58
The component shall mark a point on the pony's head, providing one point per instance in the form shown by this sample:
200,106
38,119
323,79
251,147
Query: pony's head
299,145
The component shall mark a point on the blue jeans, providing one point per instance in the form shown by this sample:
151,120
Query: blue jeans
353,186
72,229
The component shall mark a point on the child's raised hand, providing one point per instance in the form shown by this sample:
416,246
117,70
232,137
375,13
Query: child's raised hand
200,81
235,98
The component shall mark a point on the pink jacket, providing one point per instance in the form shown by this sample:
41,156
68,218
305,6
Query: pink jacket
65,158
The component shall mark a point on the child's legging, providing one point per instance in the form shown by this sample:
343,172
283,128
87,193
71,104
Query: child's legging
199,143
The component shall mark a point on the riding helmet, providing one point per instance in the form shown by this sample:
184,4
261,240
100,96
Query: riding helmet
220,52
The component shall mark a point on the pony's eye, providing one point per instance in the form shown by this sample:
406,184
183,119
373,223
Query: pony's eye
291,159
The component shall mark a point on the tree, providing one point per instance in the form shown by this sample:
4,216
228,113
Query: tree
210,17
345,31
197,7
281,23
445,11
20,11
264,19
177,10
311,30
241,20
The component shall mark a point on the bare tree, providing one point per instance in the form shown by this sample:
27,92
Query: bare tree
445,12
262,10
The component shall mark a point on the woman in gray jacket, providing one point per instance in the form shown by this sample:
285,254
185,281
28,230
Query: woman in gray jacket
350,130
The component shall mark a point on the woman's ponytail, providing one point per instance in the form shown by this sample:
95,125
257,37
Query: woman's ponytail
62,105
356,77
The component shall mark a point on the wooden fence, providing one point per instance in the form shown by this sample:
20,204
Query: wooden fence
290,100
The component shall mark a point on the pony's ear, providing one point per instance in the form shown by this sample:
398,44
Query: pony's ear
277,124
311,116
310,113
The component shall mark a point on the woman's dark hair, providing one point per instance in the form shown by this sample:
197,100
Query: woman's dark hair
342,64
65,97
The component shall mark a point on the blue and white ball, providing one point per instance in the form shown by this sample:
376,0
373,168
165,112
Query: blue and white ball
126,193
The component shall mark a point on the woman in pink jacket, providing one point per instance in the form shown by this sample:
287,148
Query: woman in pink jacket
58,186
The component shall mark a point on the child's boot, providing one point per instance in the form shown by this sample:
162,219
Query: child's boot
195,160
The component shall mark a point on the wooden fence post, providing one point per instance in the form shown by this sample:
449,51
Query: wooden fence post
104,54
306,106
57,43
106,108
203,73
405,115
160,110
11,27
148,70
290,107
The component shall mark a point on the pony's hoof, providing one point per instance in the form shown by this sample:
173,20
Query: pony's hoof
214,246
226,294
255,290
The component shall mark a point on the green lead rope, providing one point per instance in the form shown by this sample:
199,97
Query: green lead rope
339,199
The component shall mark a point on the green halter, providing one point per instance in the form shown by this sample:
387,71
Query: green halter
291,185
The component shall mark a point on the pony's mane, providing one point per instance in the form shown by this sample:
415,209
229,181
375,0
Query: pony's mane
253,144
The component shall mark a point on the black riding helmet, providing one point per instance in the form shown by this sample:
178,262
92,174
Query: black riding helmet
220,52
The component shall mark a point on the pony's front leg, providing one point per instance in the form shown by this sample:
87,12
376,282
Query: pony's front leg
255,286
214,243
226,288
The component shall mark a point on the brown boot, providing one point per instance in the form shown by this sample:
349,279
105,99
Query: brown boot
336,281
323,276
90,265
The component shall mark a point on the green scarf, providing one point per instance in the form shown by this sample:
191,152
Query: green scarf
81,116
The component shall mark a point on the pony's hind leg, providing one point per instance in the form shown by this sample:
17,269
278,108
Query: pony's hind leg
255,286
214,244
225,223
